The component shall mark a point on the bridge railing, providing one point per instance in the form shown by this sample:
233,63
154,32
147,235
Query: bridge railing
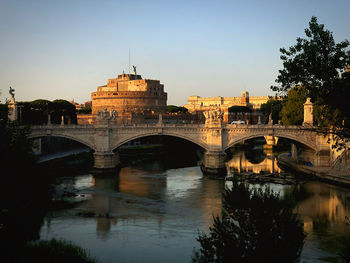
114,125
269,126
172,125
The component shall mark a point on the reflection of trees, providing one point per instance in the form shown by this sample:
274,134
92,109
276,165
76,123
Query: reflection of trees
296,193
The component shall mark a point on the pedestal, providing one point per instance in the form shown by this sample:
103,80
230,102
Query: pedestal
13,110
214,163
106,160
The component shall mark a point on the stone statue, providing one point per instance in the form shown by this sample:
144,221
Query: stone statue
213,115
270,118
12,92
134,69
104,114
114,114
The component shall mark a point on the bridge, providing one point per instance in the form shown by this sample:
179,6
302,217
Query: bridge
105,136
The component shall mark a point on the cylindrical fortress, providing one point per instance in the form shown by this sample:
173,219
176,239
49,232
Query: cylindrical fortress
130,94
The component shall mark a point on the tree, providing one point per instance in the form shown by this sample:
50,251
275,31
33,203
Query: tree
4,112
255,224
34,112
272,106
26,184
239,109
63,108
176,109
292,112
85,110
319,64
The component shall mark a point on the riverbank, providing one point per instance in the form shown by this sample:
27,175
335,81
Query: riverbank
325,174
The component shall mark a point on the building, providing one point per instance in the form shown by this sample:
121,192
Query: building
81,106
197,103
129,95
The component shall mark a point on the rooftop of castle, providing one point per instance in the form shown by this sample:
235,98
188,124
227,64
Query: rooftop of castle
129,77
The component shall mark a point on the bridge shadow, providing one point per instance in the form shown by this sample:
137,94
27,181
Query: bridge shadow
170,152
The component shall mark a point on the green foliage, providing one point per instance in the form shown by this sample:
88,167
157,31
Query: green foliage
176,109
256,225
86,110
239,109
36,112
318,64
272,106
55,251
40,104
293,108
314,62
24,189
63,108
4,112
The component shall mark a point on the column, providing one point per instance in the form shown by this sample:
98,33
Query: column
13,110
294,151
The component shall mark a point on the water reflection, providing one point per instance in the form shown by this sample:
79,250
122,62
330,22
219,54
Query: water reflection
146,214
240,163
325,203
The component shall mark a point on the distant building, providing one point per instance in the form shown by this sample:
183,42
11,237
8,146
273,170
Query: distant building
78,106
129,94
197,103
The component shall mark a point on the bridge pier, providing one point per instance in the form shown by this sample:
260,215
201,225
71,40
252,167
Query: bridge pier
214,163
106,160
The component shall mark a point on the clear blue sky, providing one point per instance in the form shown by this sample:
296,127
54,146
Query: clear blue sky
54,49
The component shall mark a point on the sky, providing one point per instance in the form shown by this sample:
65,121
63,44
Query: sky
62,49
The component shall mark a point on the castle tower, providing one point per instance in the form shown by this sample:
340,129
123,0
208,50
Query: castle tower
130,95
245,98
308,113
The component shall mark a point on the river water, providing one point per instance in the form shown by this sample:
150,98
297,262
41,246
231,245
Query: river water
145,213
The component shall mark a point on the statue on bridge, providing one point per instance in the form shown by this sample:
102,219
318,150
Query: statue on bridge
105,114
213,114
213,117
12,92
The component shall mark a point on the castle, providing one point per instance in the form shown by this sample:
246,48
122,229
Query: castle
129,95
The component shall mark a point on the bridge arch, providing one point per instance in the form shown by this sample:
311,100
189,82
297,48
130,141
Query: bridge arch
139,136
306,143
66,136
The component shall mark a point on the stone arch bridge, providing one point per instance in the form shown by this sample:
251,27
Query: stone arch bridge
105,136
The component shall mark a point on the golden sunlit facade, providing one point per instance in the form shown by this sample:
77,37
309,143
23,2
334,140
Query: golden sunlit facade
197,103
130,93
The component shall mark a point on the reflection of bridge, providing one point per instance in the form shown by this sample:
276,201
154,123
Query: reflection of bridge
240,163
105,136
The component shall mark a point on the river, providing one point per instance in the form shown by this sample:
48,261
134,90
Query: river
145,213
